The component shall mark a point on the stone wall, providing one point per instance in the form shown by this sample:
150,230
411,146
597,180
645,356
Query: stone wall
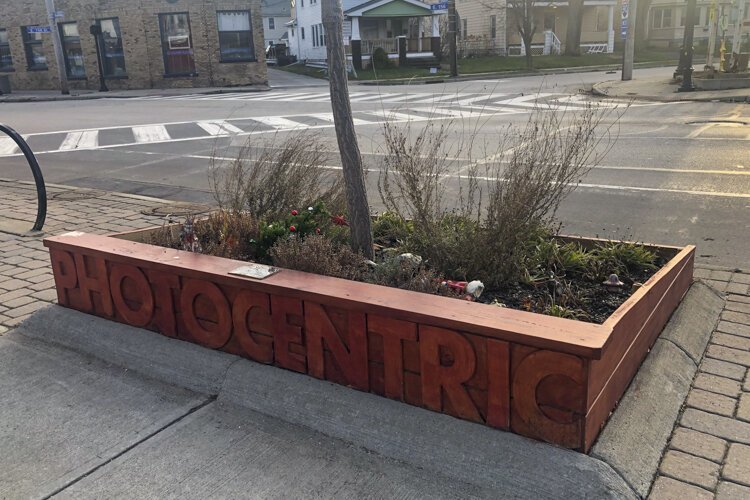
141,38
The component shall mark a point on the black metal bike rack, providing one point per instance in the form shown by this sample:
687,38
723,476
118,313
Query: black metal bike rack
41,190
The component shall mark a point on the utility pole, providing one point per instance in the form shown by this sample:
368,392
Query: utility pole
452,29
57,44
687,49
737,37
629,55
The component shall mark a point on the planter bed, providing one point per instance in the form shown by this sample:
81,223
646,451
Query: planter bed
544,377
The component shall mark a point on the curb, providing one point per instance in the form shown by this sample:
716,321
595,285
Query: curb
457,449
597,90
637,434
105,95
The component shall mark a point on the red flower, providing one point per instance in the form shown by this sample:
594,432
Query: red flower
292,228
317,230
294,212
339,220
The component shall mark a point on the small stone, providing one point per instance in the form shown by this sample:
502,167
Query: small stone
731,491
737,464
743,409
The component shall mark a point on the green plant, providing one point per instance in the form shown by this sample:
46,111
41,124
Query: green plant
390,229
621,258
380,59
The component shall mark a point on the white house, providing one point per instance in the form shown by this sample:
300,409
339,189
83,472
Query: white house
368,24
276,15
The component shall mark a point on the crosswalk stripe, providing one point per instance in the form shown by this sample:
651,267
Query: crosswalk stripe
407,98
309,96
277,122
219,127
8,146
328,117
393,115
523,101
435,98
150,133
84,139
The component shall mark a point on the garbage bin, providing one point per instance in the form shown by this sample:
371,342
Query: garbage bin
4,84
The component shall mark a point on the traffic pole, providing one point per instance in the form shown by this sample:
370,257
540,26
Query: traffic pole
57,44
452,30
629,55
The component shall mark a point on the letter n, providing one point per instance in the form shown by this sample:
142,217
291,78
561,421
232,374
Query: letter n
348,347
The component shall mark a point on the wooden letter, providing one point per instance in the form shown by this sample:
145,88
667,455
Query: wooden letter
64,270
286,334
98,283
351,359
213,336
164,284
498,384
437,378
259,305
143,314
393,332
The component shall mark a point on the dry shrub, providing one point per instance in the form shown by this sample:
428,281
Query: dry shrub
504,200
394,274
318,254
270,177
227,234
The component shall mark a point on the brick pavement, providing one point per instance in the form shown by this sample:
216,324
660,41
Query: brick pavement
709,452
26,282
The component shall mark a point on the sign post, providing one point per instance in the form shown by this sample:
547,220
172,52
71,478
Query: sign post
52,15
628,32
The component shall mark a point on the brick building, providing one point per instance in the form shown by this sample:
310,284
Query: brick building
144,43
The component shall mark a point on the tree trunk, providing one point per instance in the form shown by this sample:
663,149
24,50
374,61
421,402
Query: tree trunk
351,159
573,33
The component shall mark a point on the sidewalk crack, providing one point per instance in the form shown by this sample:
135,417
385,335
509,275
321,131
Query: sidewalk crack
210,399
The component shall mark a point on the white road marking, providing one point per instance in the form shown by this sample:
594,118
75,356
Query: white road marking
328,117
8,146
278,122
523,101
219,127
404,98
150,133
85,139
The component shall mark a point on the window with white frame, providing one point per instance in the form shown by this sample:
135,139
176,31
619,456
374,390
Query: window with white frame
236,36
662,18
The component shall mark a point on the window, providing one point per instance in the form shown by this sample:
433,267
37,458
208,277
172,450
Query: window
465,27
314,35
271,24
318,34
302,32
71,45
662,18
176,44
235,36
32,44
6,61
321,35
493,27
113,55
602,19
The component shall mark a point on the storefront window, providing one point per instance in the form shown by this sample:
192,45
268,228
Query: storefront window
32,42
6,61
71,44
177,46
235,36
113,55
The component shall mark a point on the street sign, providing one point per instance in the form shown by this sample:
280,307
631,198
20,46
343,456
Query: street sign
439,6
38,29
59,14
625,14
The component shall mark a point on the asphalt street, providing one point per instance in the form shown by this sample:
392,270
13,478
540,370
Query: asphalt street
678,173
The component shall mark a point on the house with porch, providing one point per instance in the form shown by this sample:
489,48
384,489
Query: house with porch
368,25
600,19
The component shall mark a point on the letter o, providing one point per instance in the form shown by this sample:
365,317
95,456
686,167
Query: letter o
136,317
215,337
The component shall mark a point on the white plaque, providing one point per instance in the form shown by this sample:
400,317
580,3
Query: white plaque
255,271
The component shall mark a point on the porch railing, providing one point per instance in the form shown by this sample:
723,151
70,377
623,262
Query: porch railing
389,45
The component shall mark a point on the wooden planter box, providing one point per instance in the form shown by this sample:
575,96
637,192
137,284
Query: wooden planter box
547,378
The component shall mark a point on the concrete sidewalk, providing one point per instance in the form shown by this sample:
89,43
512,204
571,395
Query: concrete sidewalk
663,89
91,408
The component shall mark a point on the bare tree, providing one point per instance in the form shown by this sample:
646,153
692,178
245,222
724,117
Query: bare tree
351,159
573,33
522,12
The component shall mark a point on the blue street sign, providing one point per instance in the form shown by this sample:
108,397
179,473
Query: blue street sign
439,6
38,29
